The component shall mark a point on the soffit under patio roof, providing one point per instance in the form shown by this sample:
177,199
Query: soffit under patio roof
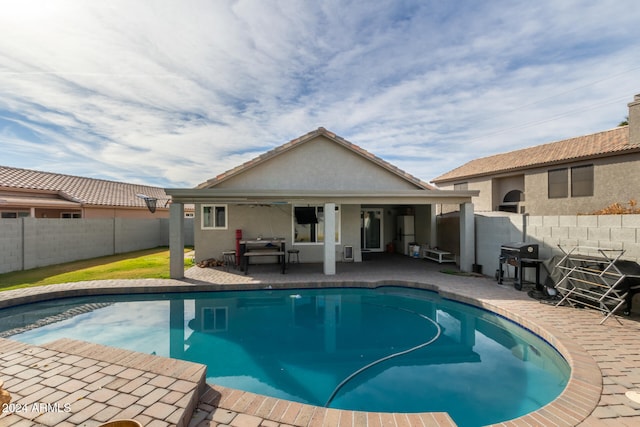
416,197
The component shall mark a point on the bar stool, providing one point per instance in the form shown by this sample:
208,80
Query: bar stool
229,259
295,253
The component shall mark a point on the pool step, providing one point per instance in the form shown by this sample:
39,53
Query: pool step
69,382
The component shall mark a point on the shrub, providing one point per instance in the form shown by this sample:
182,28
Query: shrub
619,209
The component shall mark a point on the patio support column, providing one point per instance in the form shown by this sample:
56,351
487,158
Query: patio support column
176,328
329,238
433,226
467,237
176,240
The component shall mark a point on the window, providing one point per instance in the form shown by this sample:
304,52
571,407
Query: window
70,215
14,215
308,224
558,183
214,217
582,181
463,186
215,319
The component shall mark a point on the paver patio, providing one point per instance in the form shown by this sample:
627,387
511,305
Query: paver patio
101,383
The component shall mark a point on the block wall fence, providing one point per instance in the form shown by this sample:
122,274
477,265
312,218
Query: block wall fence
27,243
37,242
603,231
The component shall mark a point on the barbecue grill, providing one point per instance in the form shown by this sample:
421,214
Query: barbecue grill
520,255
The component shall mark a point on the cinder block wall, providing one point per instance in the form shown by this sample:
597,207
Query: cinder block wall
10,245
605,231
136,234
49,241
27,243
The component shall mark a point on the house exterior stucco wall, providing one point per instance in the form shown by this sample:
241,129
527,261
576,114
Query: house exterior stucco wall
615,180
634,121
319,164
482,203
272,221
503,185
423,223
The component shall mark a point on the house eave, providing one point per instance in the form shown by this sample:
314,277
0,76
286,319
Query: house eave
22,202
525,168
190,195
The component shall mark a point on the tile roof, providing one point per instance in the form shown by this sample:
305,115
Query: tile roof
602,144
88,191
306,138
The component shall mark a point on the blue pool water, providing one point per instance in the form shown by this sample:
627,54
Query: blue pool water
388,349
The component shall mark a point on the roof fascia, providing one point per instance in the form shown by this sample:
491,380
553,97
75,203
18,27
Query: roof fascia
560,162
17,189
189,195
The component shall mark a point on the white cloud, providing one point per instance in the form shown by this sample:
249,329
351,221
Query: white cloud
174,92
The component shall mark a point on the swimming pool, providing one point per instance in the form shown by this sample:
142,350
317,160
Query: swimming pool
302,344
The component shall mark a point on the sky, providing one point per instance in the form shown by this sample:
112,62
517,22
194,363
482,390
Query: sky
173,93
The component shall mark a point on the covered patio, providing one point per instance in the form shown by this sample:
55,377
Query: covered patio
345,229
317,193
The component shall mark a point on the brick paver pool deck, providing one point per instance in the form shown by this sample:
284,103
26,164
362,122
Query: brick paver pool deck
73,383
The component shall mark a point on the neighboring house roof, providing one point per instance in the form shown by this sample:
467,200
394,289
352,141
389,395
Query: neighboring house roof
86,191
602,144
306,138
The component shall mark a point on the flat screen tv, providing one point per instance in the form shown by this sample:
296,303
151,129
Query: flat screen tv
306,215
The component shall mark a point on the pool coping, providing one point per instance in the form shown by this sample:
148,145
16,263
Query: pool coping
572,406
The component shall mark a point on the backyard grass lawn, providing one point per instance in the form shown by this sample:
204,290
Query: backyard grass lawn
145,264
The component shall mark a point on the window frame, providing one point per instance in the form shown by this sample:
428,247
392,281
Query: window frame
14,214
70,215
556,185
214,217
317,232
461,186
588,184
214,319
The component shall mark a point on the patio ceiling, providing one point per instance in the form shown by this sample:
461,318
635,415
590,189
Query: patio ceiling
404,197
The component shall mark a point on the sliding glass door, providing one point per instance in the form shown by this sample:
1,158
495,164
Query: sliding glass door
371,229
